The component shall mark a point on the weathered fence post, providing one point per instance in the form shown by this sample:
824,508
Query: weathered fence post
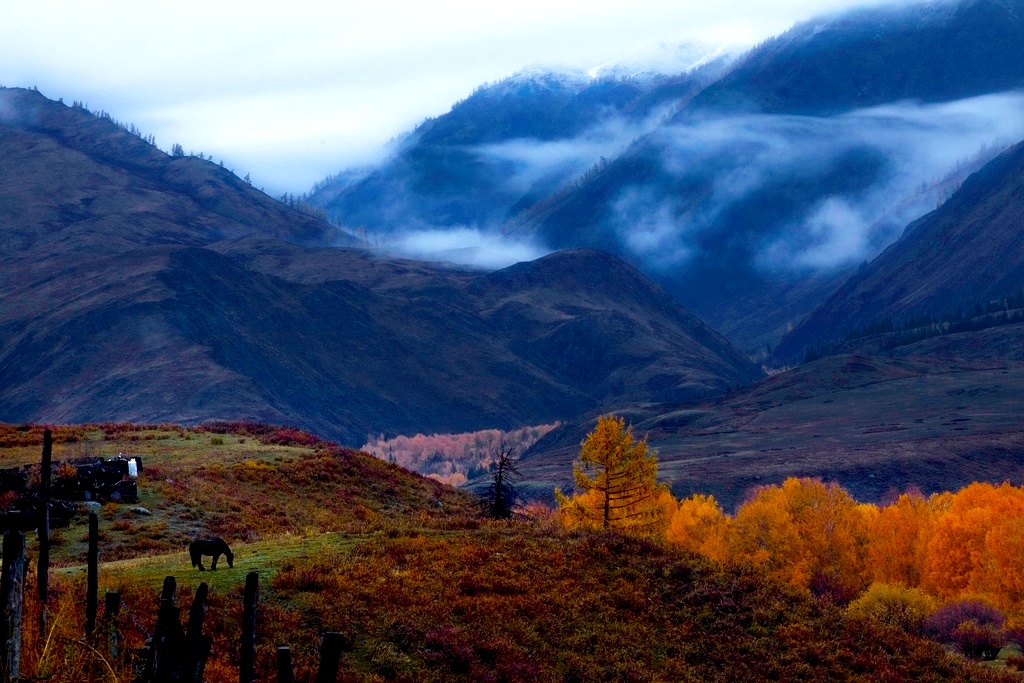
162,664
247,664
43,567
111,610
197,646
331,646
92,578
12,585
285,673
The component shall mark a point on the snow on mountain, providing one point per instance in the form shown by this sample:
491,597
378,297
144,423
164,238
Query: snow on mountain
644,65
653,60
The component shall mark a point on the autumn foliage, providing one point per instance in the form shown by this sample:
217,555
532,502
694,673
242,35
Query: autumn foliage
616,477
423,592
949,566
515,605
454,458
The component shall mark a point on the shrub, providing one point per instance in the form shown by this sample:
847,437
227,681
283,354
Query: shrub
1014,633
904,608
943,624
1015,662
979,641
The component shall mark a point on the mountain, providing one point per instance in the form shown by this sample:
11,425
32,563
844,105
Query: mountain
139,286
513,143
932,52
74,181
771,182
763,193
964,254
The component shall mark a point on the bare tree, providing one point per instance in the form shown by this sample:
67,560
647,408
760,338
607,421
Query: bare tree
499,498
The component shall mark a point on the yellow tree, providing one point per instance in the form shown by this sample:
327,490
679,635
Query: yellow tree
616,476
898,540
806,533
700,525
975,547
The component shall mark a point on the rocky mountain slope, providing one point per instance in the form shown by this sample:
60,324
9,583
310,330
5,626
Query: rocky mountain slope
968,252
773,181
143,287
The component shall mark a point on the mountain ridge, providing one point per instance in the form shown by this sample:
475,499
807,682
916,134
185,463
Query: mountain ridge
133,293
966,252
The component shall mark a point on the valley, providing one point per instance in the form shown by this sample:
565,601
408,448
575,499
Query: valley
878,426
796,273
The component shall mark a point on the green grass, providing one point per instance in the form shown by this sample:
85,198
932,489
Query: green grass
264,557
245,486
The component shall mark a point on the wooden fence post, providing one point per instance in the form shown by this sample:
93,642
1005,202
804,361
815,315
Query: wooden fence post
247,664
111,610
43,567
12,586
285,672
92,578
331,646
162,662
197,646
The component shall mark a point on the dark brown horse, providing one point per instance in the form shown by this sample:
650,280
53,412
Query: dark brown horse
214,547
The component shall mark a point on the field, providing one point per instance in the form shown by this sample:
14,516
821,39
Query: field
421,587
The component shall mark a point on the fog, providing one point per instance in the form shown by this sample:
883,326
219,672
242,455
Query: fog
464,246
779,192
849,185
567,158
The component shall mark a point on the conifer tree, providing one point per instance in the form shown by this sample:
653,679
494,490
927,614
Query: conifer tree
500,498
616,477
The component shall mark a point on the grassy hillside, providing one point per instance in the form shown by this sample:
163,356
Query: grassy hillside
421,590
520,603
244,482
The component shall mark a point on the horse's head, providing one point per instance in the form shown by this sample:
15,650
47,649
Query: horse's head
229,556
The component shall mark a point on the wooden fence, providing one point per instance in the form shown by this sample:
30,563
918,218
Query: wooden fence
172,654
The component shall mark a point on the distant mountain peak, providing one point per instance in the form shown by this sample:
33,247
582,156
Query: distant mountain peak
653,60
538,79
644,64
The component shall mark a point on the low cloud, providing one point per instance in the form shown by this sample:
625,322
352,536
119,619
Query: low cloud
800,192
465,246
756,192
537,160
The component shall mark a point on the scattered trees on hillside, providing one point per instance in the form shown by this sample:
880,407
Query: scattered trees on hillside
453,458
892,333
616,476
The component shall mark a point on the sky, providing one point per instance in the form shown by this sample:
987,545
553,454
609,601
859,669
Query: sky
290,94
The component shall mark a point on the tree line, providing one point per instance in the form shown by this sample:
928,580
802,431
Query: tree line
812,534
921,562
1008,310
